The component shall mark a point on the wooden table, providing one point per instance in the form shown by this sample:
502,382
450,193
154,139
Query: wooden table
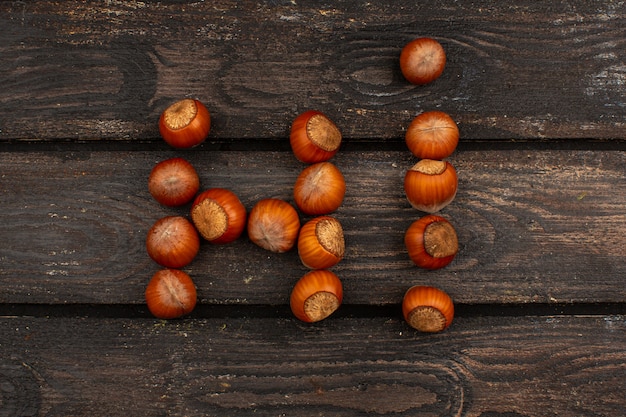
538,90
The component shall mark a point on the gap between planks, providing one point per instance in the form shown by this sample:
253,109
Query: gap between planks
277,145
282,311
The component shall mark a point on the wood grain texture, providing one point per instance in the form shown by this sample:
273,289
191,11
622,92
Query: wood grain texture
87,70
534,227
541,226
479,367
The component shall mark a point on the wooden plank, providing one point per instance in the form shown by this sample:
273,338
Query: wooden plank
534,227
531,366
92,70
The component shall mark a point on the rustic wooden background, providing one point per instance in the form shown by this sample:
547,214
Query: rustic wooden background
539,92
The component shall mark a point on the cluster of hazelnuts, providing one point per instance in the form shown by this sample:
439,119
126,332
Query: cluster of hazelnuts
430,185
218,216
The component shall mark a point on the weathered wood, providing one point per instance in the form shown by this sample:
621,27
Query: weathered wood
93,70
503,366
542,226
534,226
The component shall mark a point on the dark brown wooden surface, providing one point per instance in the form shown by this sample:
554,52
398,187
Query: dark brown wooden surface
534,226
532,366
539,283
83,70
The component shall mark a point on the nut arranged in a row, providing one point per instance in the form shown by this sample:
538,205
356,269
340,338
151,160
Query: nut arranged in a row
319,190
173,241
429,185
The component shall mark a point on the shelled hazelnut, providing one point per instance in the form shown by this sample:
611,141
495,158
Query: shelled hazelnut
321,243
185,124
170,294
314,137
273,224
317,295
431,242
319,189
219,215
432,135
173,182
172,242
427,309
430,185
422,60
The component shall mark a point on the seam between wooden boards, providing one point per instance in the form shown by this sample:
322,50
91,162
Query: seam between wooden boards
282,311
